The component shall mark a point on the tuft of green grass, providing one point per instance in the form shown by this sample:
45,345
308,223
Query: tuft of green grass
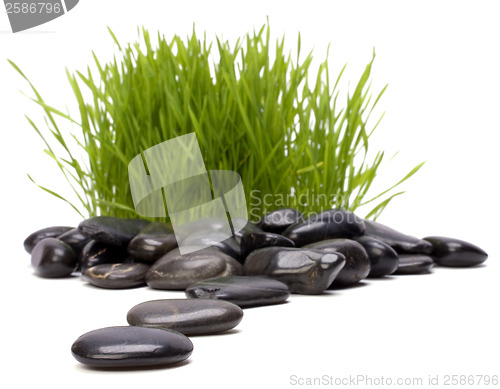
256,110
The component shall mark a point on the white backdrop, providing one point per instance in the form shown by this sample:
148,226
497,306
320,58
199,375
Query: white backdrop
441,61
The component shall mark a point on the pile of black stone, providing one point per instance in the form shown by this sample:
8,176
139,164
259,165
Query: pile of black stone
262,264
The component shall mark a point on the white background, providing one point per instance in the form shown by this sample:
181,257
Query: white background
441,61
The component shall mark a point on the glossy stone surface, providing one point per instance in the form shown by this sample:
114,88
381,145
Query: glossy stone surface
400,242
175,271
117,275
357,266
112,230
249,227
455,252
217,239
152,242
279,220
37,236
52,258
330,224
98,253
189,316
304,271
383,259
414,264
75,239
244,291
131,347
251,241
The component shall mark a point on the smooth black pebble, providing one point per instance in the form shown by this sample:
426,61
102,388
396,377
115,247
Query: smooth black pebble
52,258
97,253
152,242
49,232
174,271
383,259
414,264
244,291
188,316
334,223
112,230
117,275
75,239
279,220
304,271
215,239
131,347
452,252
251,241
402,243
357,266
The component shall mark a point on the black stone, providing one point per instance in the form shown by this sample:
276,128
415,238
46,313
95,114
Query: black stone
188,316
279,220
152,242
112,230
37,236
357,266
383,259
216,239
244,291
75,239
52,258
117,275
305,271
131,347
414,264
251,241
335,223
455,252
249,227
175,271
98,253
402,243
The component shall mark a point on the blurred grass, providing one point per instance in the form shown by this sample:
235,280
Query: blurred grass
255,110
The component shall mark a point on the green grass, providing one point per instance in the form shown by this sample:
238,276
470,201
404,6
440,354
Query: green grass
256,110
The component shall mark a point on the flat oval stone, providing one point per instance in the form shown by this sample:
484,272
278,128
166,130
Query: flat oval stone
49,232
216,239
414,264
357,266
75,239
251,241
97,253
117,275
402,243
152,242
188,316
175,271
335,223
279,220
304,271
244,291
383,259
455,252
249,227
52,258
131,347
112,230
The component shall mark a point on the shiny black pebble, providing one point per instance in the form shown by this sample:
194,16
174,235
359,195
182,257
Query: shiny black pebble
402,243
75,239
131,347
455,252
357,266
152,242
383,259
335,223
414,264
117,275
279,220
304,271
249,227
97,253
244,291
52,258
188,316
37,236
215,239
112,230
251,241
174,271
